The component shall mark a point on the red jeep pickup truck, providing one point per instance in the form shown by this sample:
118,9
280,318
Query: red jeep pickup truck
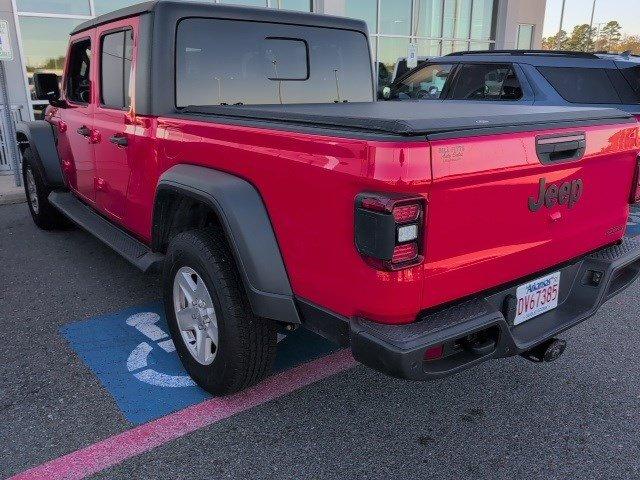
242,151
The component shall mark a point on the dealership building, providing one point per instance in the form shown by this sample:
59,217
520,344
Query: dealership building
39,33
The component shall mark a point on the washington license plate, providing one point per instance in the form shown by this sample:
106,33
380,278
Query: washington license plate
537,297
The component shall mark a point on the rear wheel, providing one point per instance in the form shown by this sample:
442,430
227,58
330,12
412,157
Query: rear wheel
222,344
44,215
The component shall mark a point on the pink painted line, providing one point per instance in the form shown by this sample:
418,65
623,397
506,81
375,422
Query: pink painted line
118,448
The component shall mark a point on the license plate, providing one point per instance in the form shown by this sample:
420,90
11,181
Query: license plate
537,297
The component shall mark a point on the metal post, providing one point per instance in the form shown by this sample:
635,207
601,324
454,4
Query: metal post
593,12
561,22
11,140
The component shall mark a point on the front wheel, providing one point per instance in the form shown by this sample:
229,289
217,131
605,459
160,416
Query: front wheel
44,215
221,343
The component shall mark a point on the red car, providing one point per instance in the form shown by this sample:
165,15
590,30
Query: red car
241,150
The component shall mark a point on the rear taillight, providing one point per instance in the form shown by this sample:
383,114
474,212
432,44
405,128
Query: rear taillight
406,213
635,188
389,230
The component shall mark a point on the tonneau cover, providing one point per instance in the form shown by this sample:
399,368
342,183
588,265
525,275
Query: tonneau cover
410,118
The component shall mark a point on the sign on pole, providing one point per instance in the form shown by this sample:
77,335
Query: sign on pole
6,52
412,55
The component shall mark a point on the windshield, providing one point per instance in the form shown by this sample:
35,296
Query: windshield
229,62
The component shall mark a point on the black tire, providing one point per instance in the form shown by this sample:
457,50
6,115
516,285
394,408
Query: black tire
246,344
44,215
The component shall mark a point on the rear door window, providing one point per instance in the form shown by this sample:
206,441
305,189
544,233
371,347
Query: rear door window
223,62
115,69
428,83
632,76
582,85
498,82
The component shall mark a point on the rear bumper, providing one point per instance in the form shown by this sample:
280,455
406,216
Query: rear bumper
399,350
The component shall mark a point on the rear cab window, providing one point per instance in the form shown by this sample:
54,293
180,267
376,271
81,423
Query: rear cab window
497,82
427,83
225,62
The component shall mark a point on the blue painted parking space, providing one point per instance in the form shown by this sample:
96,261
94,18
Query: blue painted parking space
134,357
633,225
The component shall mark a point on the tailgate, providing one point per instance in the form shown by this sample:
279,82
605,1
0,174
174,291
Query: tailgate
487,224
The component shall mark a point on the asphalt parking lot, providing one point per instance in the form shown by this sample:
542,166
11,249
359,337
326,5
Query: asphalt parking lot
60,405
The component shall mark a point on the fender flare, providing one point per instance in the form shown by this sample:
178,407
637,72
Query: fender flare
42,141
248,228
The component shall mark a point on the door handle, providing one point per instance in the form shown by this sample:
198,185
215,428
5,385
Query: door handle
119,140
84,131
561,148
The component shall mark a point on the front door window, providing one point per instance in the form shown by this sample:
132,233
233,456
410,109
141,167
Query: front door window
427,83
78,79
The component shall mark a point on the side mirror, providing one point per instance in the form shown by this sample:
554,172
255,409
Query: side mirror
47,87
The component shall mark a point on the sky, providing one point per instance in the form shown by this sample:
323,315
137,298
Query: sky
627,12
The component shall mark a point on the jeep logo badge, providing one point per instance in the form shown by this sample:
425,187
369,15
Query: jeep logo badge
566,194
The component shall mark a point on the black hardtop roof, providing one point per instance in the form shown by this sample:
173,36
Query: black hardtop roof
208,9
410,118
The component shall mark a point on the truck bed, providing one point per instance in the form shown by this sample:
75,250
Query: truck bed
436,120
478,180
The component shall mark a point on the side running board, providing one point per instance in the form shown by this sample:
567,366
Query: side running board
131,249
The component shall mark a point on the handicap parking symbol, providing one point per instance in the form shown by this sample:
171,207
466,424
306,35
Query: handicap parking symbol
135,359
138,361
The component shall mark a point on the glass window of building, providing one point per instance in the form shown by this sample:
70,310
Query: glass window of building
475,46
462,19
366,10
66,7
44,44
247,3
428,18
395,17
436,27
482,19
106,6
428,48
297,5
525,37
